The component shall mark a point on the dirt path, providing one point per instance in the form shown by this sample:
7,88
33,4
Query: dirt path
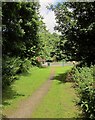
28,106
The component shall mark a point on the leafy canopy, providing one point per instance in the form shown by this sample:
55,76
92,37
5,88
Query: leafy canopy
76,22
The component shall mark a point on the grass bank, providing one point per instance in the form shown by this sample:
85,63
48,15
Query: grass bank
23,88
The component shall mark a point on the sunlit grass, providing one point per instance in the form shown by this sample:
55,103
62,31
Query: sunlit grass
60,100
58,103
23,88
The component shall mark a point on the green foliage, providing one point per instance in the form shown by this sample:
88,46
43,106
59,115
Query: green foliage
20,22
24,36
20,27
48,42
24,66
58,51
85,82
77,26
11,67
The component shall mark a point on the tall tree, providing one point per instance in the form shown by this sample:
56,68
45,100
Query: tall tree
76,22
20,24
48,42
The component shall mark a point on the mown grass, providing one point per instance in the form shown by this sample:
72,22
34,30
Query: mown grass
23,88
60,100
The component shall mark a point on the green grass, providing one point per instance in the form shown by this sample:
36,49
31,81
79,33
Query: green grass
60,100
58,103
23,88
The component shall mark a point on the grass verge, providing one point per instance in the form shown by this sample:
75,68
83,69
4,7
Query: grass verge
23,88
60,100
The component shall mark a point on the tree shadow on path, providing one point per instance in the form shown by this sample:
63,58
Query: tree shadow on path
61,78
67,78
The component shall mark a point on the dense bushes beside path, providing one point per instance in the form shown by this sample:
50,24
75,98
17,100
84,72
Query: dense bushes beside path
85,83
12,67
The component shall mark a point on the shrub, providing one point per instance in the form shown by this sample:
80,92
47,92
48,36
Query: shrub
12,66
23,66
84,78
9,68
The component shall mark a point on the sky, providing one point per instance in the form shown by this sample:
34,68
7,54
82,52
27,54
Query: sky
48,15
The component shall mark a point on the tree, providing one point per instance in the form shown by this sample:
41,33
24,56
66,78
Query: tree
48,42
77,26
20,22
20,28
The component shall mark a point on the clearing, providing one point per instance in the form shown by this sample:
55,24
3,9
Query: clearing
43,93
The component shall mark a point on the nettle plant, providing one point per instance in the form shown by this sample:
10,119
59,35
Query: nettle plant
85,81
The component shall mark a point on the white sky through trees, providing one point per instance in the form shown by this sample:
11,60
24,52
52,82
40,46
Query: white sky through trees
48,15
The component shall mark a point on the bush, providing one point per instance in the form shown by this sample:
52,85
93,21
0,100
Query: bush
24,66
11,67
84,78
